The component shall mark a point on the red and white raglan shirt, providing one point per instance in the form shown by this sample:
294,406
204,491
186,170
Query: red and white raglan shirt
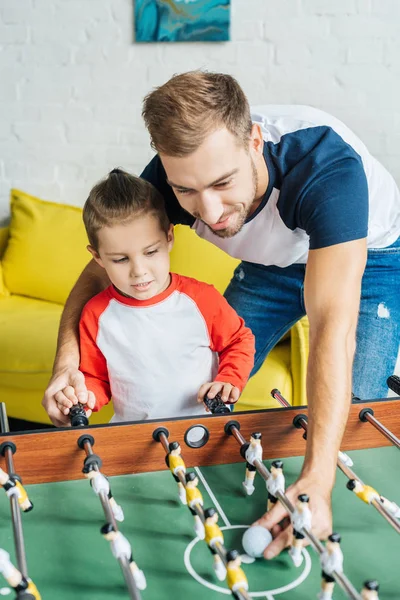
152,356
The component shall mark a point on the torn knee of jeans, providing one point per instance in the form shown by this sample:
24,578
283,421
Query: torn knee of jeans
240,274
383,311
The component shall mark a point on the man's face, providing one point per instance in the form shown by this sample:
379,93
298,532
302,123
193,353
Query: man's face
219,182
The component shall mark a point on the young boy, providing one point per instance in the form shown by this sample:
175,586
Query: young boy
154,341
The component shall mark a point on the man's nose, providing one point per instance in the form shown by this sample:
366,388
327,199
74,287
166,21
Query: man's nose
210,208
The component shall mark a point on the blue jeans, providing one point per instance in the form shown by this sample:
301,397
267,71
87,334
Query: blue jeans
271,300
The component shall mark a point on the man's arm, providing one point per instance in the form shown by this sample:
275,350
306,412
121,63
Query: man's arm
67,383
332,297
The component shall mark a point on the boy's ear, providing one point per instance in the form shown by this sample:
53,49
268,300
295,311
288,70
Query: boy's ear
170,237
95,255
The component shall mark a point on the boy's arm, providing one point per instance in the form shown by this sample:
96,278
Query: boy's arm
67,381
229,336
93,363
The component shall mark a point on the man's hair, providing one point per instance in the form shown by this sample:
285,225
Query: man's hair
119,198
182,112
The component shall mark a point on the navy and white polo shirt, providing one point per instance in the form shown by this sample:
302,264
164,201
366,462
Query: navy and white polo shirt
324,188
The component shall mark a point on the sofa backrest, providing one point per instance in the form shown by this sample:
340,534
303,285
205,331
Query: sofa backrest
46,251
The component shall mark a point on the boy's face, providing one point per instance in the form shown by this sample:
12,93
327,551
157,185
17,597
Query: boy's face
136,256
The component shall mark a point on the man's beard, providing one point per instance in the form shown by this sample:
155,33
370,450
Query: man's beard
243,211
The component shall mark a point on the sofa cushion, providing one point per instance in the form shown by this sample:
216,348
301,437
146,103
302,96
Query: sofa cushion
46,250
27,341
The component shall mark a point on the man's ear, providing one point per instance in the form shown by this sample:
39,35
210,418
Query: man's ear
95,255
256,140
170,237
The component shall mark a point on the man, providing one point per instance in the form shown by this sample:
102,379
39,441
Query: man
295,194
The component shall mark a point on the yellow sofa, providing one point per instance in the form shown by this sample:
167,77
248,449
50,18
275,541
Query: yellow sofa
42,253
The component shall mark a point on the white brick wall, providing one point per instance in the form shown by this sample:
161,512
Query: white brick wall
72,80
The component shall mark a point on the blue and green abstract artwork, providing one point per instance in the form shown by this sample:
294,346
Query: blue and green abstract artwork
182,20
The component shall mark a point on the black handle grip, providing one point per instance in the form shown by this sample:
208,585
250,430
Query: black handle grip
394,384
78,417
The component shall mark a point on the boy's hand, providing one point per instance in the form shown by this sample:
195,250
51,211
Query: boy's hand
229,393
66,388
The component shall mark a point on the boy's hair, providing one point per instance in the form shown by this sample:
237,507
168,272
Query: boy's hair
182,112
119,198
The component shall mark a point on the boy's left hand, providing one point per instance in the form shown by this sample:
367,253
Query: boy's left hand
229,393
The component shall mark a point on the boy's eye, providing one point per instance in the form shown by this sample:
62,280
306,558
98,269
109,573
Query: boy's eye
151,252
120,260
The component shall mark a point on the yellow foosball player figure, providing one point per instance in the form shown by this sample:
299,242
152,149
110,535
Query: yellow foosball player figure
16,580
367,494
253,451
331,560
301,519
213,535
121,548
175,464
13,487
235,576
193,499
370,590
275,483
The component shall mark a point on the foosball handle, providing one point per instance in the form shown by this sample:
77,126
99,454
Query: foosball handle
77,415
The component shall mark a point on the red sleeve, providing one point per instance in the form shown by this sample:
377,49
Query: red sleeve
229,336
93,364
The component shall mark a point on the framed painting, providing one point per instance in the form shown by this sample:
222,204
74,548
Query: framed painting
182,20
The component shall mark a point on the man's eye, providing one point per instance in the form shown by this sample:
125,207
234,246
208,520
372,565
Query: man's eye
184,192
223,184
120,260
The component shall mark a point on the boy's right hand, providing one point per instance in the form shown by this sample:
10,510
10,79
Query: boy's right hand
66,388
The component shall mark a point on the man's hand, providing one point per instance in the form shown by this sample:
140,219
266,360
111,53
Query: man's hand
278,522
229,393
66,388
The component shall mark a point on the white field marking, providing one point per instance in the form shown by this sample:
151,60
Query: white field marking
212,496
268,594
5,591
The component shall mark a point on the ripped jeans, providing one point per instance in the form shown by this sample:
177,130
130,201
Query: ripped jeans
271,300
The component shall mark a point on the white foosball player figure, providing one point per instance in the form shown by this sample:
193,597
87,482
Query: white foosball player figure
100,483
254,451
301,519
370,590
121,548
331,560
275,483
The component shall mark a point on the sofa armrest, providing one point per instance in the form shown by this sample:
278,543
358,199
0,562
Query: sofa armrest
299,360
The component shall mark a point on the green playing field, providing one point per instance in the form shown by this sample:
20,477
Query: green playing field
69,560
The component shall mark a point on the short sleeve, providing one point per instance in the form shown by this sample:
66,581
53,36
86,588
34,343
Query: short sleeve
334,209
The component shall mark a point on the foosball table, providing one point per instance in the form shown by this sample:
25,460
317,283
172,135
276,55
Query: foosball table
61,546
